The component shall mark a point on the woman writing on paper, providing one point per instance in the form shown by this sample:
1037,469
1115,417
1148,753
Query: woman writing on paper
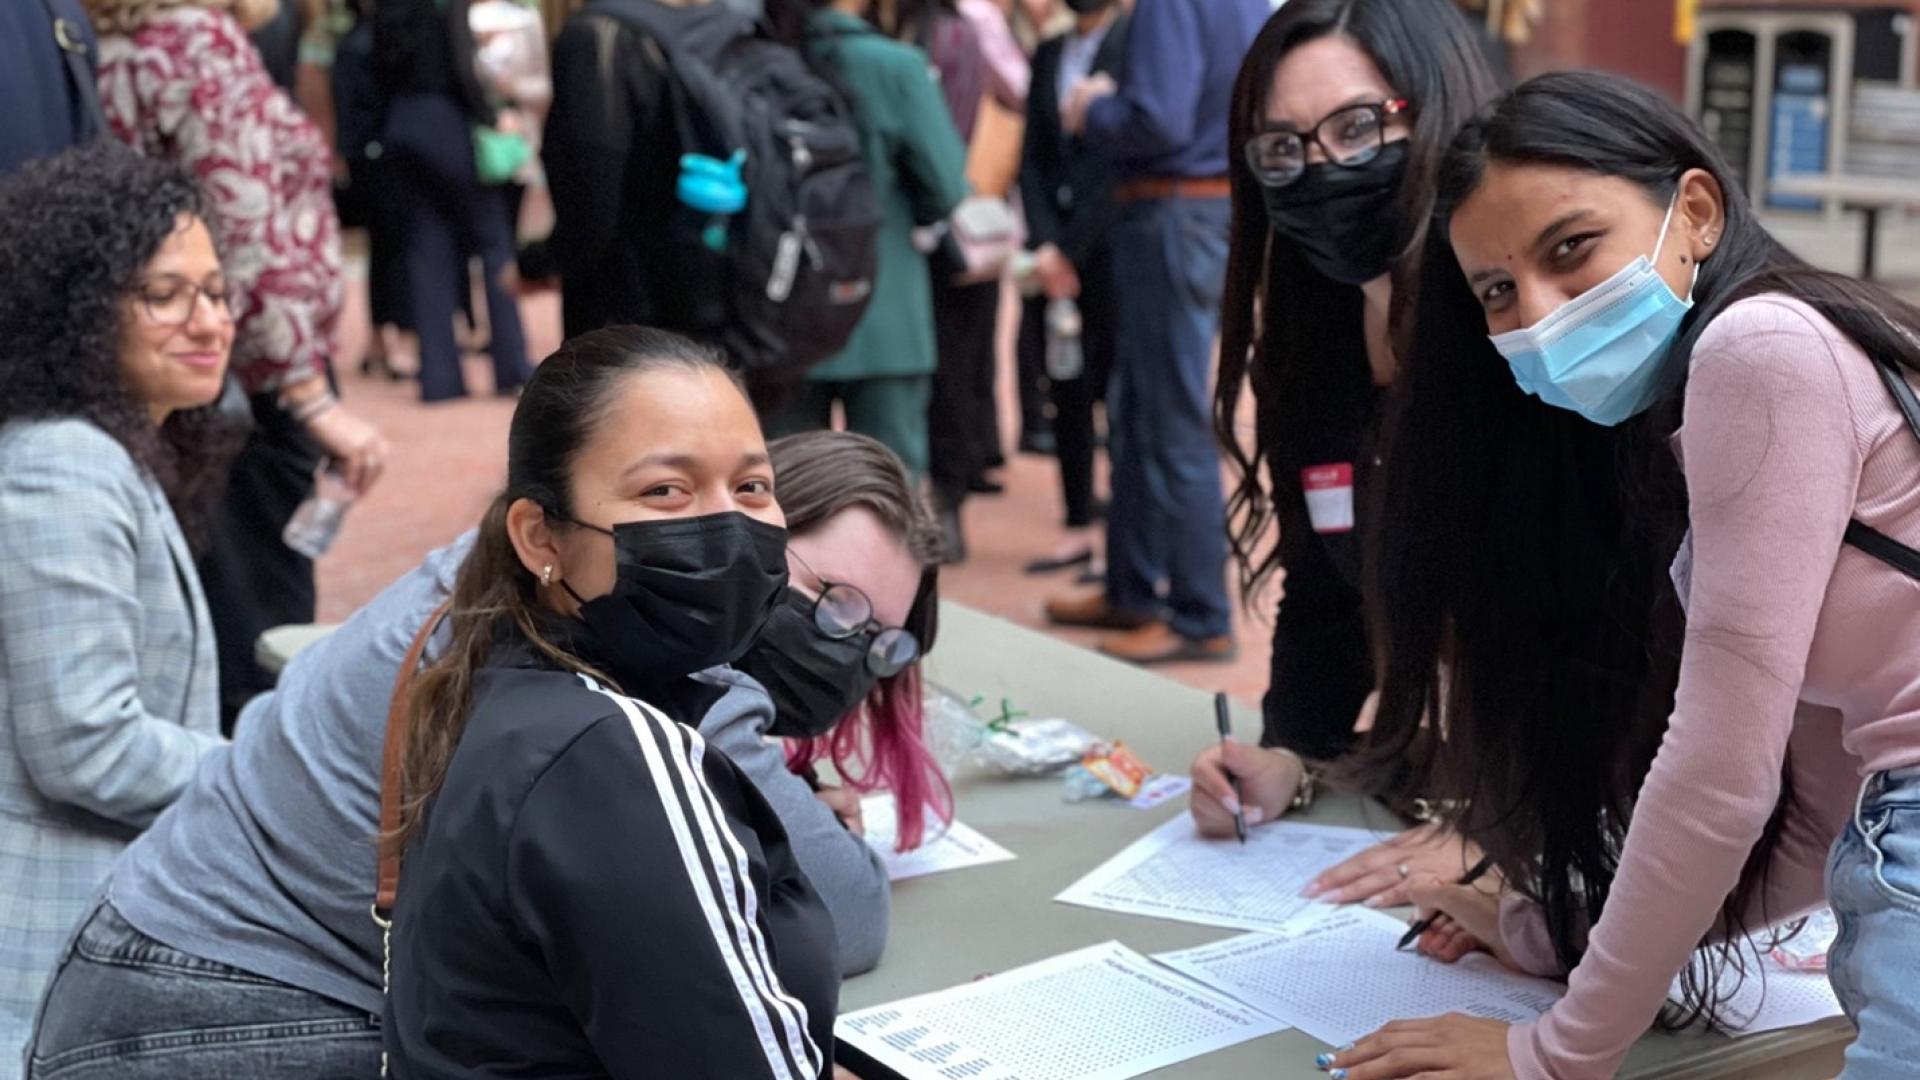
1671,408
1339,118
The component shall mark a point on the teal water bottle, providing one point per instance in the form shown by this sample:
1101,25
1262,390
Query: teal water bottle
714,188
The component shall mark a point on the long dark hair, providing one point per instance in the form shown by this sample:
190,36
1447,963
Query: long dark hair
882,745
1295,334
559,411
76,231
1519,587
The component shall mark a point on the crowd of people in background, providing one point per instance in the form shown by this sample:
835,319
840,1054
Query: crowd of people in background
1524,603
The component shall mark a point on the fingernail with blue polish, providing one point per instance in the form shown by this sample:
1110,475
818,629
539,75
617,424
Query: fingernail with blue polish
1325,1061
1338,1074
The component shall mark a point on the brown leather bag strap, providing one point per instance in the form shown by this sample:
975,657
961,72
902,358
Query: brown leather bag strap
390,794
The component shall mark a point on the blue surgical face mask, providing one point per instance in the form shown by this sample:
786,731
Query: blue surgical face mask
1599,353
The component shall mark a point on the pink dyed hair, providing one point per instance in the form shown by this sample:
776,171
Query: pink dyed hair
881,744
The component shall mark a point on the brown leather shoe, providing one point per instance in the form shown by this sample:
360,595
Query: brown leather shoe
1156,643
1091,609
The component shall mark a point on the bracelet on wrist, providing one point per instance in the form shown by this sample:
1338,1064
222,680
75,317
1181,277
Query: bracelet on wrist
1309,787
307,411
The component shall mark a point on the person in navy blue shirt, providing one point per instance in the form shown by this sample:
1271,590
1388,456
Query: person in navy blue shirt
1163,125
47,109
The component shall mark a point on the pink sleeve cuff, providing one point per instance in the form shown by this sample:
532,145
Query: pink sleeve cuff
1523,930
1521,1055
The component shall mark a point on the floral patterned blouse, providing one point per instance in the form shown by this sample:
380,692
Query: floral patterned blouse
189,86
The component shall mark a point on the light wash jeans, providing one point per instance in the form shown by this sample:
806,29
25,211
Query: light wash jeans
1873,882
123,1006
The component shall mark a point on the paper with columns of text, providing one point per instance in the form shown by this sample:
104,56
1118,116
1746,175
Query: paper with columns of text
1174,873
1101,1013
955,848
1342,979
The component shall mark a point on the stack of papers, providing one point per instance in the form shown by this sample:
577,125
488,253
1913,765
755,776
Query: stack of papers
1341,978
1101,1013
1175,873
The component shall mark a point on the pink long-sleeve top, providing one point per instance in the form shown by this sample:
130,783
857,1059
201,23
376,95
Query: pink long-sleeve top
1794,642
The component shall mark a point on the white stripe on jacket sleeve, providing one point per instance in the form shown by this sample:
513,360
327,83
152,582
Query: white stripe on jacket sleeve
725,918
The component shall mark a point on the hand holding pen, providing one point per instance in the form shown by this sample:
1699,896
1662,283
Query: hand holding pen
1223,720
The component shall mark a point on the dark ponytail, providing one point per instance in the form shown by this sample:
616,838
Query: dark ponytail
559,411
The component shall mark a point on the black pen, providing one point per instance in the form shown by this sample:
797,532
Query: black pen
1421,926
1224,721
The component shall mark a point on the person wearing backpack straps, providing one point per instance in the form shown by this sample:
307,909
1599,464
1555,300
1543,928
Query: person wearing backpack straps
917,164
611,159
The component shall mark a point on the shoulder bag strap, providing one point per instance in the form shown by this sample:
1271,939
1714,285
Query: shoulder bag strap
71,37
1863,536
390,794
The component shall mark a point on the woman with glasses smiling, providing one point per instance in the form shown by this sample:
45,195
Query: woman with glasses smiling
1339,117
114,335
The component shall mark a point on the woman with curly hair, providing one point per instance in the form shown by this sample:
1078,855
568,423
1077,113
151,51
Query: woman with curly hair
115,329
180,81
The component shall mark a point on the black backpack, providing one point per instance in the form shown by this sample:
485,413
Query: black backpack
798,266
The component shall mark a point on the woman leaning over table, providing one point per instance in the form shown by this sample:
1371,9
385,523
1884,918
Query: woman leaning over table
1341,113
114,334
1673,581
180,81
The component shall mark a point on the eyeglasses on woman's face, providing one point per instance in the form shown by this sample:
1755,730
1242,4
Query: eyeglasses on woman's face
1349,137
170,300
842,611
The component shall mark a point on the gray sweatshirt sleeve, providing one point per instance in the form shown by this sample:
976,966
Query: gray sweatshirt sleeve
844,870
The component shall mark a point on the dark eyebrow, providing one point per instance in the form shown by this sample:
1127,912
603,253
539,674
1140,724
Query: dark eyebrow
1559,225
1367,98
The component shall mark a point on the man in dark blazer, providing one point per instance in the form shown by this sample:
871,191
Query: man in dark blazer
47,61
1067,190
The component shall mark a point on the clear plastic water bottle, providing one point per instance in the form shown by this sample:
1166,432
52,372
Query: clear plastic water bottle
1066,360
314,525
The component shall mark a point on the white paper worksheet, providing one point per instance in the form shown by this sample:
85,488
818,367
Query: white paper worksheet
1342,979
1771,996
1174,873
956,848
1101,1013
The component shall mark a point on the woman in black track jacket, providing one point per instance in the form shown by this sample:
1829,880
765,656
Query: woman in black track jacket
587,890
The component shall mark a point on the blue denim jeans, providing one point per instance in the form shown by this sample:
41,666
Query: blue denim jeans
1873,882
123,1006
1167,520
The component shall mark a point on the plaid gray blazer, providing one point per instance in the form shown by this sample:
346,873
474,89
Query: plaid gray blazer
107,685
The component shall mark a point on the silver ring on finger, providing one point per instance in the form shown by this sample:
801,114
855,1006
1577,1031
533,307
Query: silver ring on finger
1404,872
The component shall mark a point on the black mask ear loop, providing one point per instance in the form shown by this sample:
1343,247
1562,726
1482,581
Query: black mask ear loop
565,520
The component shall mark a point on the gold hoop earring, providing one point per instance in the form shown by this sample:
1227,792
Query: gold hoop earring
546,574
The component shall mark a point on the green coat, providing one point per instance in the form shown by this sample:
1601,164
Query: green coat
918,165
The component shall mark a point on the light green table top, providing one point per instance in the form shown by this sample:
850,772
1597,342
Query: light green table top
949,928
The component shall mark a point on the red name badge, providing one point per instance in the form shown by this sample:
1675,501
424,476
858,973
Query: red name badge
1329,491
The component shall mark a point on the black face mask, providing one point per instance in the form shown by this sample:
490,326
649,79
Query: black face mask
1346,220
814,680
689,593
1088,7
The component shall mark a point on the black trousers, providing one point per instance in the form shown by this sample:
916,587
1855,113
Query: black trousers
962,433
1074,400
1030,368
253,581
449,213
